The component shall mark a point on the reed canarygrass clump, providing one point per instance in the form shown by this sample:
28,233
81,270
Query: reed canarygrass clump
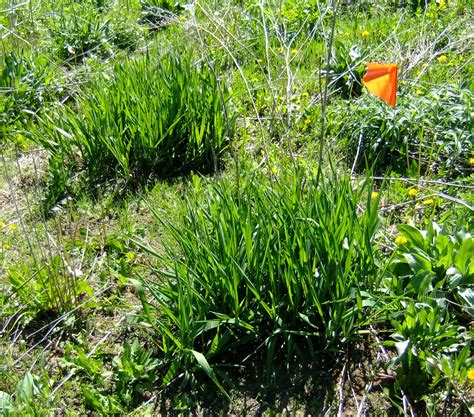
146,119
275,270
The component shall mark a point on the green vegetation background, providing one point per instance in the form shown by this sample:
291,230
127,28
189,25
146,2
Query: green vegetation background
203,211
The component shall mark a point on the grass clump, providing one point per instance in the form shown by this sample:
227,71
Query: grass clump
274,272
144,120
26,86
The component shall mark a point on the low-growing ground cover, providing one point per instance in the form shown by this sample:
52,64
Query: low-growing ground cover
204,212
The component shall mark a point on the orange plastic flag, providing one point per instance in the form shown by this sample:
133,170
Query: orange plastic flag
381,80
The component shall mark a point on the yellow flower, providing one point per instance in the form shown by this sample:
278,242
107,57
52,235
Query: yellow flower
365,33
442,4
412,192
428,201
442,58
470,161
400,240
280,50
294,51
274,170
419,91
254,80
374,194
346,33
182,18
305,94
12,227
6,246
3,224
130,256
470,374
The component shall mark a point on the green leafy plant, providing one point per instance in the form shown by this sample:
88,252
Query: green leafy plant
54,285
263,274
346,70
431,274
29,398
171,120
135,372
425,133
82,33
423,336
49,288
26,85
296,16
434,265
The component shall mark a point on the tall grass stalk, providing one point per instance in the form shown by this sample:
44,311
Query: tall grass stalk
334,8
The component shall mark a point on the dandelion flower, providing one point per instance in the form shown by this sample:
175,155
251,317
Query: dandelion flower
294,51
470,374
365,33
419,92
412,192
280,50
130,256
274,170
306,94
428,201
442,58
374,194
6,246
470,161
401,240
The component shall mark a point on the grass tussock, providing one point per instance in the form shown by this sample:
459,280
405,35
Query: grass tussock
282,268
